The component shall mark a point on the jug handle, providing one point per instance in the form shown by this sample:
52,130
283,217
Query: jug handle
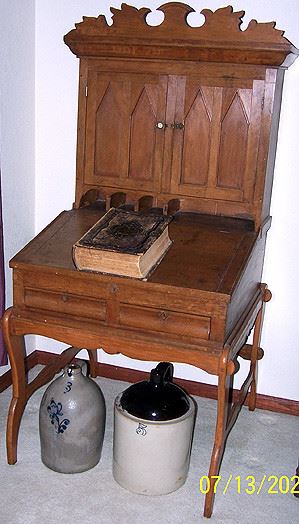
83,365
162,373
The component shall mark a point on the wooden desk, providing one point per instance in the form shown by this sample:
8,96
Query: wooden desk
191,309
177,120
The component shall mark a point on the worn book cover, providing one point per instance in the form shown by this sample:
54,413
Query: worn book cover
124,243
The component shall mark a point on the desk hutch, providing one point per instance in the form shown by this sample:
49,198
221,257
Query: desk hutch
177,120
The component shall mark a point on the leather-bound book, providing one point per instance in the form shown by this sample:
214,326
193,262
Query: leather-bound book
123,243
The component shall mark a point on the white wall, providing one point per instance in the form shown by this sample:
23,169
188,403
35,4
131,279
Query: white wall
56,108
17,102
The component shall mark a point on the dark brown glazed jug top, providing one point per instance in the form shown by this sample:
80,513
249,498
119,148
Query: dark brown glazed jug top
157,399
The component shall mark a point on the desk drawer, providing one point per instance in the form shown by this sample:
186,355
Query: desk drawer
164,320
67,303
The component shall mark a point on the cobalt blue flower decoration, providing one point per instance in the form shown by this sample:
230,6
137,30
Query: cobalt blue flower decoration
55,413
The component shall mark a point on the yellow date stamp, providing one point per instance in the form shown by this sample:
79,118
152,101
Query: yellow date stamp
250,485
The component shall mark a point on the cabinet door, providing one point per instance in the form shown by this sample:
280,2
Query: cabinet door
216,136
124,147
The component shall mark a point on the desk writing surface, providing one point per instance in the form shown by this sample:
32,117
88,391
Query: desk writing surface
208,252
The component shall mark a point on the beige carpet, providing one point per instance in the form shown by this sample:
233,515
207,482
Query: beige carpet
261,443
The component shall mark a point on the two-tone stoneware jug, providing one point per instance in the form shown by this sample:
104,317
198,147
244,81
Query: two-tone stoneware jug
153,429
72,422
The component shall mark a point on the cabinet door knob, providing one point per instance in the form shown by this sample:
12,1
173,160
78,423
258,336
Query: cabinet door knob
161,125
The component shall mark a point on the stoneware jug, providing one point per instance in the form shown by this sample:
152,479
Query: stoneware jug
153,430
72,422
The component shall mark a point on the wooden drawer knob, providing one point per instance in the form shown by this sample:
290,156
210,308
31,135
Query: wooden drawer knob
163,315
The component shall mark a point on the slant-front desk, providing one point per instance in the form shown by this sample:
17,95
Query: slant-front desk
175,120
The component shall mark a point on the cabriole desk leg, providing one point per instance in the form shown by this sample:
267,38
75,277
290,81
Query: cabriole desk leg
16,351
223,402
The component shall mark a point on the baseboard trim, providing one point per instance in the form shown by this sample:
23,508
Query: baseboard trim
276,404
200,389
